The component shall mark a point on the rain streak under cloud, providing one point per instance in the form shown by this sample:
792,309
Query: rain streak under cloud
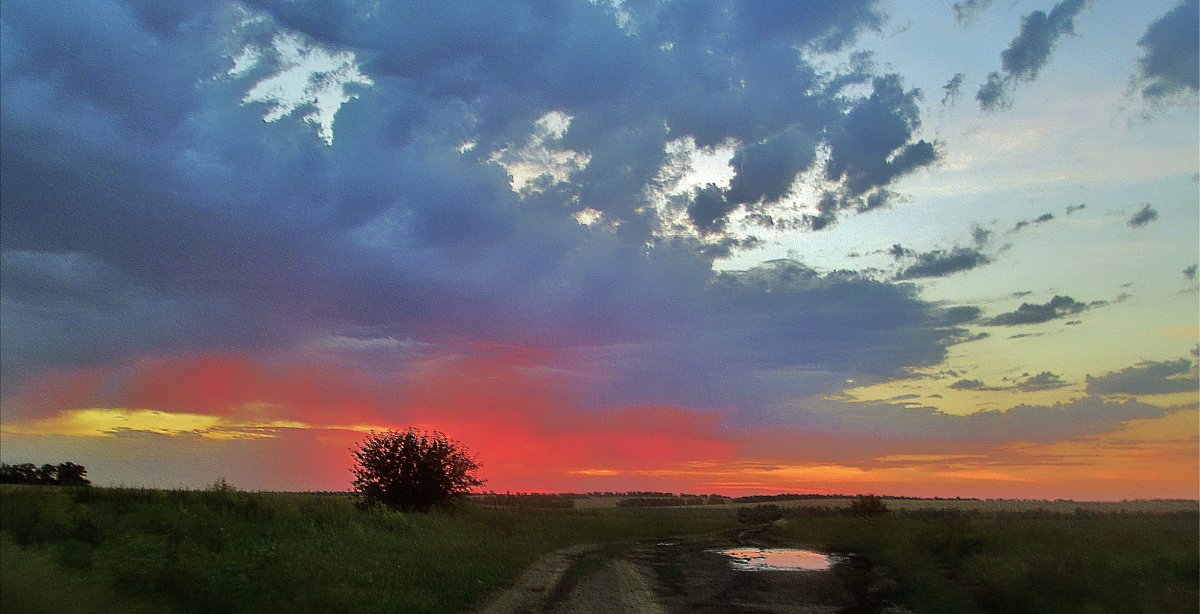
720,246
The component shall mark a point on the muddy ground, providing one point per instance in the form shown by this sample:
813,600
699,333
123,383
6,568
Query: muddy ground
683,575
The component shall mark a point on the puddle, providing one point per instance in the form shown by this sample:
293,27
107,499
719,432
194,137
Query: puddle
777,559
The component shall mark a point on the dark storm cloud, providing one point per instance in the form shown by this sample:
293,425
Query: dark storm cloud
899,251
70,310
758,333
1149,377
147,210
1170,63
716,71
993,94
1029,423
765,171
952,88
827,208
969,384
966,10
100,53
1083,416
1143,216
1190,272
980,235
827,26
775,295
1023,224
1042,381
940,263
709,208
872,145
1029,51
1028,383
1071,209
1034,313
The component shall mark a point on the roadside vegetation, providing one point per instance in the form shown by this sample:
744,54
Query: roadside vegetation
1032,561
223,550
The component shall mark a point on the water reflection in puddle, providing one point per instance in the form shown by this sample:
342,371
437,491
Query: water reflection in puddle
777,559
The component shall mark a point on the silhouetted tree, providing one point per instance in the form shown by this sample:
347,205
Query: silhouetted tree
412,470
25,473
62,474
70,474
867,505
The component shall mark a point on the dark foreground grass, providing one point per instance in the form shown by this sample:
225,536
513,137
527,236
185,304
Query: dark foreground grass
131,550
224,551
1011,562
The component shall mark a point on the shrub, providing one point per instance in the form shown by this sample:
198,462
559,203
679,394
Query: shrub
867,505
412,470
759,514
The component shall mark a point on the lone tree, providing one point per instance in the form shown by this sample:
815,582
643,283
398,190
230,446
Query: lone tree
412,470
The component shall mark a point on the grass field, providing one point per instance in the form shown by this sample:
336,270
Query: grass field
135,550
1059,506
1030,561
224,551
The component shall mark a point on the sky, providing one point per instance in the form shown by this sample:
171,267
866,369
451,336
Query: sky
721,246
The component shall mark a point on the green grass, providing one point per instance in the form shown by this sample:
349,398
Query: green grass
225,551
32,581
132,550
1014,562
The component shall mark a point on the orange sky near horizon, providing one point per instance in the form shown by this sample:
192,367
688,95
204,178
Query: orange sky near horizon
292,427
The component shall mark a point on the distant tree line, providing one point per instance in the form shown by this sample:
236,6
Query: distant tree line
759,514
672,501
62,474
861,506
782,497
804,497
526,500
649,494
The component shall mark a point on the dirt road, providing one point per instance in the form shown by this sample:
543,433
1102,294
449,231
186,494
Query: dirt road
661,577
615,585
584,579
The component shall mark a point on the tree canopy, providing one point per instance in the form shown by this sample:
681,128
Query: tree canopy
62,474
412,470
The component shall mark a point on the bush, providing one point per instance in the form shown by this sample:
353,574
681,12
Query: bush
867,505
759,514
545,501
412,470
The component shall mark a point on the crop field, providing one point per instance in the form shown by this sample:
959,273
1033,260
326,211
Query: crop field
221,550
